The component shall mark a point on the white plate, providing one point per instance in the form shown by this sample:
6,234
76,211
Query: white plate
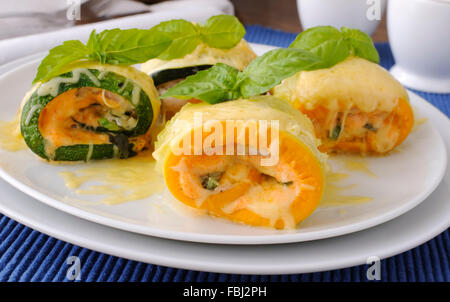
404,180
409,230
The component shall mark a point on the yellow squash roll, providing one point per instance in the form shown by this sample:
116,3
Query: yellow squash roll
275,180
356,106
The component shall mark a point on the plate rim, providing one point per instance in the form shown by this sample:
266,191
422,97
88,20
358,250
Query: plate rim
223,238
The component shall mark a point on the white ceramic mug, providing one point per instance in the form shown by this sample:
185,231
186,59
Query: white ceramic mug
362,14
419,35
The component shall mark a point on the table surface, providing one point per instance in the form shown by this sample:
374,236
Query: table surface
283,15
279,14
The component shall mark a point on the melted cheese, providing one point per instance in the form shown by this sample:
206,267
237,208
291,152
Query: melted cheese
120,180
10,137
333,192
418,121
360,165
273,205
353,82
262,108
238,57
51,87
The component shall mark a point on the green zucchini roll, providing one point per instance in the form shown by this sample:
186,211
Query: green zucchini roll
90,111
168,73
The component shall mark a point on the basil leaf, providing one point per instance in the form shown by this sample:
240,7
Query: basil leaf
314,37
60,56
183,36
325,41
92,43
316,48
361,44
223,31
270,69
128,47
167,40
213,85
94,47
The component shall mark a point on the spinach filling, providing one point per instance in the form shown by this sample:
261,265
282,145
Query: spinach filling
211,181
334,134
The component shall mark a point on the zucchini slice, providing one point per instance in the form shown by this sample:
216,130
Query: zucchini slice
166,75
90,112
203,57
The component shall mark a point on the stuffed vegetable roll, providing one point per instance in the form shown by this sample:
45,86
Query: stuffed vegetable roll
90,111
356,106
249,173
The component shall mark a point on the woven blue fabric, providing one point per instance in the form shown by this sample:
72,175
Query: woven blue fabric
27,255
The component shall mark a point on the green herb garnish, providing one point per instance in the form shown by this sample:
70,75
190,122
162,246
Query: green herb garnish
334,46
316,48
211,180
222,82
334,134
167,40
60,56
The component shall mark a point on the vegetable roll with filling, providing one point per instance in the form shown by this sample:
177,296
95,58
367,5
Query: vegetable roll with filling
355,106
90,111
167,73
255,188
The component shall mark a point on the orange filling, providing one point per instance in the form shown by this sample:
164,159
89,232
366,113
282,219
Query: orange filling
361,132
278,196
170,105
57,126
72,117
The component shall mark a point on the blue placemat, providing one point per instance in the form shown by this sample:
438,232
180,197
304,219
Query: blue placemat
27,255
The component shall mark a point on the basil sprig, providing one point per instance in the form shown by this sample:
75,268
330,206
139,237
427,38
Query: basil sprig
222,82
316,48
335,46
167,40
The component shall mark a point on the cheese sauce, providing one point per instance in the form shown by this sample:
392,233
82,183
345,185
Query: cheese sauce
116,180
238,57
10,137
333,192
358,165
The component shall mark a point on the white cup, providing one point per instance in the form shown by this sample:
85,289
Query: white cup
362,14
419,35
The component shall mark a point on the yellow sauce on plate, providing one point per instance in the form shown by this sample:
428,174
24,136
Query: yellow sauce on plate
136,178
118,180
333,192
358,165
10,137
